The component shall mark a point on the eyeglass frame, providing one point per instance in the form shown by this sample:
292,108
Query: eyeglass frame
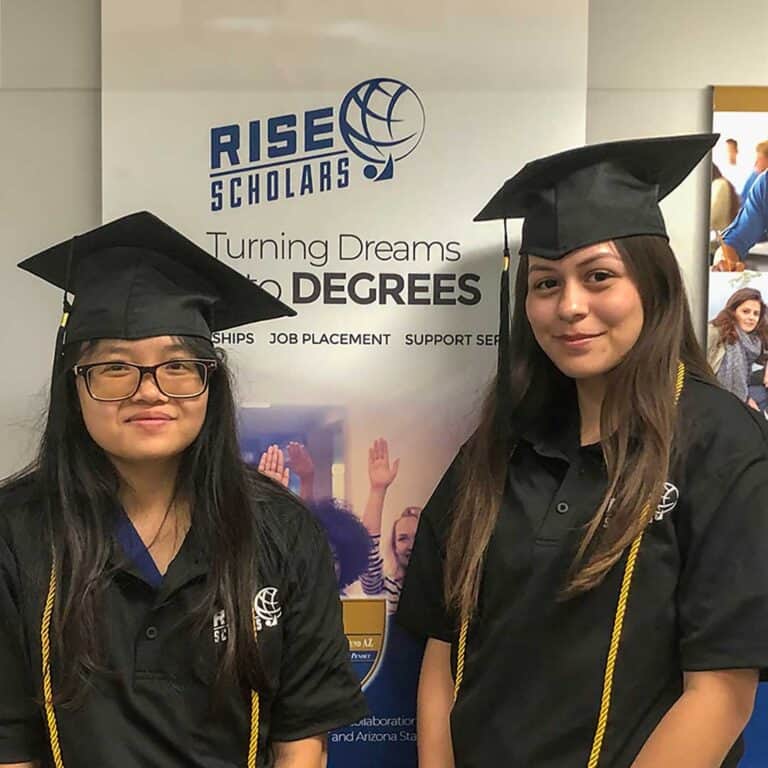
209,366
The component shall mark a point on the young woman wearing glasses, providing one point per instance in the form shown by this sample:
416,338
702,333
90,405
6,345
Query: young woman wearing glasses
162,604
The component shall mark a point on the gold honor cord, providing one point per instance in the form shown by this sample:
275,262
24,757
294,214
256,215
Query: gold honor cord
45,644
50,712
253,742
618,624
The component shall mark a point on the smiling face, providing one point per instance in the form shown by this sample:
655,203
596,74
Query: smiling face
403,537
584,310
747,315
148,426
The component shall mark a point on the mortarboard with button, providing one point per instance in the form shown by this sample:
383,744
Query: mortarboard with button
137,277
589,195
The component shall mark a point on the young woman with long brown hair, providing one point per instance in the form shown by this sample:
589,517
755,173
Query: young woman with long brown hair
591,572
737,339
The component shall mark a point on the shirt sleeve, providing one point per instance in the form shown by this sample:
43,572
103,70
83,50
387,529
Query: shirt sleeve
723,590
422,608
750,224
373,578
21,734
748,182
318,690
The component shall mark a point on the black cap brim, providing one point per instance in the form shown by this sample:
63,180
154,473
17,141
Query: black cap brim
179,263
663,162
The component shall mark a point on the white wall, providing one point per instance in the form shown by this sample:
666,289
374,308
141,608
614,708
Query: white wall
50,138
650,68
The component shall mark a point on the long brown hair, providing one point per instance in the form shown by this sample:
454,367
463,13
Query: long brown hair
727,323
637,418
734,201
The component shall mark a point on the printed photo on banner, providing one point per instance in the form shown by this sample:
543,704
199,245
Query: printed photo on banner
738,223
302,448
737,335
737,321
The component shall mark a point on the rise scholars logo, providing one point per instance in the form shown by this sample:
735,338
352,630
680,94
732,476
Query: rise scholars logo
380,122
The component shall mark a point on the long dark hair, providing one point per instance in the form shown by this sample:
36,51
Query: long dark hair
76,486
637,422
727,323
347,536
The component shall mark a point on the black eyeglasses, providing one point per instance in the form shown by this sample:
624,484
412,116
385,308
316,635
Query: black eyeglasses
117,380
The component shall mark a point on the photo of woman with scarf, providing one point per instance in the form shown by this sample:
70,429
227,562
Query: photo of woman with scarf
737,339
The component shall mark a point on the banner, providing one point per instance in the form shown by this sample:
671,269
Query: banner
738,279
337,158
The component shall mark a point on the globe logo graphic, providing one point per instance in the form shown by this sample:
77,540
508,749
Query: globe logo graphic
668,501
381,121
267,607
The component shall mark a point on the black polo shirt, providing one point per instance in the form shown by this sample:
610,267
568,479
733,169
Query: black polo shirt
534,664
160,708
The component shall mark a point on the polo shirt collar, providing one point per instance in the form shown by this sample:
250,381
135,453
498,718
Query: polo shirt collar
557,434
130,556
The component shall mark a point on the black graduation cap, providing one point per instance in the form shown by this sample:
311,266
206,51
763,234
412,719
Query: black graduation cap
596,193
588,195
137,277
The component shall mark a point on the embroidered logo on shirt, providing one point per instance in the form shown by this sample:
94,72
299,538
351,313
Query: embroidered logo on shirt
266,608
220,627
668,501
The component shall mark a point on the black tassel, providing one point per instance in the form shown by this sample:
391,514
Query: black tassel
503,363
61,339
66,309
